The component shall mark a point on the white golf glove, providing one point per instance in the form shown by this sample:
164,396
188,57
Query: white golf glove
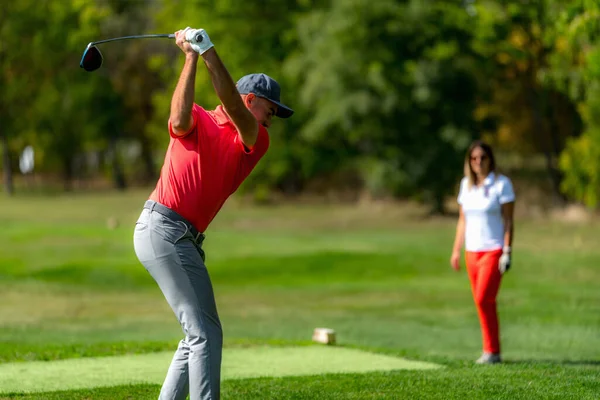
198,39
504,263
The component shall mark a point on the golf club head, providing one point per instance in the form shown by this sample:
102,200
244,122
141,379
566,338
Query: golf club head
91,59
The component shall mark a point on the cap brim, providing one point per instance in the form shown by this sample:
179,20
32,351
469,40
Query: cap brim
283,111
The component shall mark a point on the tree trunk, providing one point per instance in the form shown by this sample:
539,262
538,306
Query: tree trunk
556,174
68,173
543,137
117,168
7,176
148,162
438,206
558,107
548,138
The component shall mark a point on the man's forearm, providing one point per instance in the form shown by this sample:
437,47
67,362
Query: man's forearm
226,89
222,81
183,97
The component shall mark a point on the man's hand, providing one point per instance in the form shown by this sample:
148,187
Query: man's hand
245,122
199,40
183,43
504,263
182,102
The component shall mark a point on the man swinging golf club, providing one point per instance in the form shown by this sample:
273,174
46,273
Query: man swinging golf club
210,153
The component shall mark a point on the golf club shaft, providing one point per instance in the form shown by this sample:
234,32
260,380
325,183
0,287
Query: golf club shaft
161,35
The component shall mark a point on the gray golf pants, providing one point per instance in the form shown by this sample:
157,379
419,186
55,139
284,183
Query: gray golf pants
167,246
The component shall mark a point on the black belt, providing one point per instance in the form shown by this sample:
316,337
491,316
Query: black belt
167,212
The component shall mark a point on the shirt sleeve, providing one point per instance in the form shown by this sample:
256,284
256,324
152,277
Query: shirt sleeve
507,194
248,158
196,110
260,146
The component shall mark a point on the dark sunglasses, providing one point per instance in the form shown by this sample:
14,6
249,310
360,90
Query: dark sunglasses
482,158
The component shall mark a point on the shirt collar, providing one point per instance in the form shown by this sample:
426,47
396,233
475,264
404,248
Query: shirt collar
489,179
221,116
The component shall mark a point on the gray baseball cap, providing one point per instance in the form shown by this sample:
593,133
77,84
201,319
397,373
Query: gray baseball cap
264,86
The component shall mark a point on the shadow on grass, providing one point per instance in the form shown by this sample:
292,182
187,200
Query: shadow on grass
579,363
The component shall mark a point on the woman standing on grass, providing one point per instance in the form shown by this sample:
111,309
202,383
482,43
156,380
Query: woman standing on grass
485,225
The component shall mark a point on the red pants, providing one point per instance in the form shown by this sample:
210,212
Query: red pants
485,282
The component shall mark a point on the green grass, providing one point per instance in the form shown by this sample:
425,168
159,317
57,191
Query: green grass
70,287
238,363
544,381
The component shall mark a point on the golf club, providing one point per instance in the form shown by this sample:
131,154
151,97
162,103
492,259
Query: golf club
92,58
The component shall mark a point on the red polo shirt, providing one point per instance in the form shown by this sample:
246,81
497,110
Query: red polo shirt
205,166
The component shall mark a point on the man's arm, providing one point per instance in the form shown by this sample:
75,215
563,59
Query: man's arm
183,97
243,119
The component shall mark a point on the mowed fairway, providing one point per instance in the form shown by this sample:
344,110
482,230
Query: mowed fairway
72,292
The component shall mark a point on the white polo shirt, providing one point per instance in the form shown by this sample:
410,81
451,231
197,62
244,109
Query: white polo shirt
484,228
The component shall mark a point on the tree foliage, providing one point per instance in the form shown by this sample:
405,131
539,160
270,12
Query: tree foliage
389,91
387,94
576,72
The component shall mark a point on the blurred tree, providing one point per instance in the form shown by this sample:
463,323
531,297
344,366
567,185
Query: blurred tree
66,111
135,81
520,112
575,70
14,87
388,88
47,100
4,100
387,94
250,37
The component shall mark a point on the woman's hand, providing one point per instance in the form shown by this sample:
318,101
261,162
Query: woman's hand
455,260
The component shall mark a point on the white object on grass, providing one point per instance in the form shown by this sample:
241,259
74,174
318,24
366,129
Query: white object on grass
324,335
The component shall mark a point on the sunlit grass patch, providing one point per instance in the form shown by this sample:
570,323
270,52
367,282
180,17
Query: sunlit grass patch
238,363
